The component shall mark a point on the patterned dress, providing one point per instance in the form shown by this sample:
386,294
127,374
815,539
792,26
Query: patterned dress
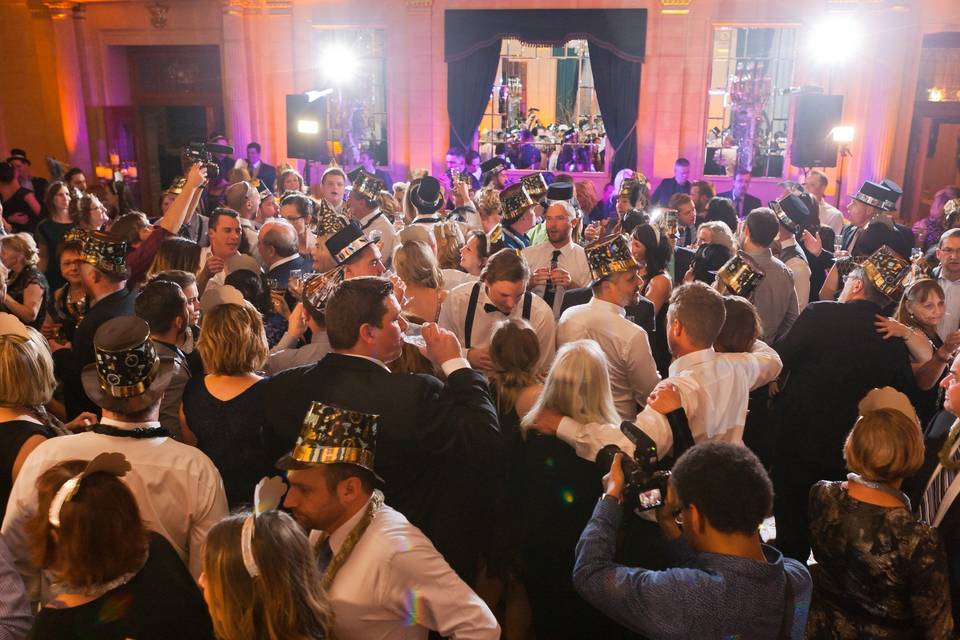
880,573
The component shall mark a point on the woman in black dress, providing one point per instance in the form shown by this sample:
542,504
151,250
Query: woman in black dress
21,209
51,230
26,385
111,582
558,493
651,250
222,411
27,288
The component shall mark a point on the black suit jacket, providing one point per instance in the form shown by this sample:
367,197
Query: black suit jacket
915,487
439,448
641,314
832,356
682,259
267,175
749,203
116,304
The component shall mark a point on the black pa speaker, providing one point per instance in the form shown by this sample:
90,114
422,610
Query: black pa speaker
306,128
814,117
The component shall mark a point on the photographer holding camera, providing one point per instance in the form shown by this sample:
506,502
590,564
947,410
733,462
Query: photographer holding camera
724,581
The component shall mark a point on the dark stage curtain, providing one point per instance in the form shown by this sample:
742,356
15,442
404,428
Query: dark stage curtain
568,75
617,40
617,82
469,82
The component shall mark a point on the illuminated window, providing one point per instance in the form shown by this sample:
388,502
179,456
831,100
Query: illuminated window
747,109
543,111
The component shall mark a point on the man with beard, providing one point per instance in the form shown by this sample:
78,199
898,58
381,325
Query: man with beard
616,284
383,577
558,264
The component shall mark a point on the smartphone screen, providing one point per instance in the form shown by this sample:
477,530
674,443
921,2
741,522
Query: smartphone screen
650,499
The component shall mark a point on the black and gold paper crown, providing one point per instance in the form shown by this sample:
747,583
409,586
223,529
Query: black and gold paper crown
328,220
741,274
348,242
125,358
76,234
609,255
332,435
887,272
536,186
627,186
514,201
105,252
318,287
367,185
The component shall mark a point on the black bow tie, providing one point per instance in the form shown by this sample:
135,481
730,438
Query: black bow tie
490,308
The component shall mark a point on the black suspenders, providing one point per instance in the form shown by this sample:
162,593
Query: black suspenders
472,310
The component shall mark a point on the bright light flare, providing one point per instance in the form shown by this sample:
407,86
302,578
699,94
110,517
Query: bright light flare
339,63
834,41
309,127
842,135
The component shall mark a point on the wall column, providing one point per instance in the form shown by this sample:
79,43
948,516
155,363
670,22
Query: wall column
70,82
236,91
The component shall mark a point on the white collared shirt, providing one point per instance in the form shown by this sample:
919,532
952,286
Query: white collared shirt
831,216
951,300
572,258
714,389
388,235
801,274
396,586
282,261
633,372
454,277
178,490
453,316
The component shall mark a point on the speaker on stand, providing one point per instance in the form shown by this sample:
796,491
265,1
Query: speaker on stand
814,118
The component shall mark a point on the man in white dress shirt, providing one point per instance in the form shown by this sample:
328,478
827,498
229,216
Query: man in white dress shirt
948,276
633,372
558,264
816,185
713,388
365,209
178,489
384,578
473,309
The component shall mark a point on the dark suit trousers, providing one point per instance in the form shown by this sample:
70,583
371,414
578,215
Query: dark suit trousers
792,480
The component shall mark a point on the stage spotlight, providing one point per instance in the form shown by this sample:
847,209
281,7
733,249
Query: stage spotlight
842,135
309,127
339,63
834,41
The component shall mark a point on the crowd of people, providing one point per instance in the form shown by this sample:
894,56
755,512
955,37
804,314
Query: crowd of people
474,408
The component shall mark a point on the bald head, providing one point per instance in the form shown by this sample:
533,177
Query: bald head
277,240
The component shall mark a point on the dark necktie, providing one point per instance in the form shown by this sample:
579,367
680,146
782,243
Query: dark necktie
551,290
490,308
324,555
935,493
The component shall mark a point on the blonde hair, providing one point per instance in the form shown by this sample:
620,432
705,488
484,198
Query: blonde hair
884,446
285,602
415,263
26,370
514,351
24,244
720,234
488,202
233,341
578,386
450,241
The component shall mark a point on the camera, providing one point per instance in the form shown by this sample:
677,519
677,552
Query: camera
203,152
645,485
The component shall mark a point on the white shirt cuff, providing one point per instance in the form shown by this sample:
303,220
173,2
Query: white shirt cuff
454,364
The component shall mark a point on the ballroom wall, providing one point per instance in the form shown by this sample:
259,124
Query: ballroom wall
65,65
